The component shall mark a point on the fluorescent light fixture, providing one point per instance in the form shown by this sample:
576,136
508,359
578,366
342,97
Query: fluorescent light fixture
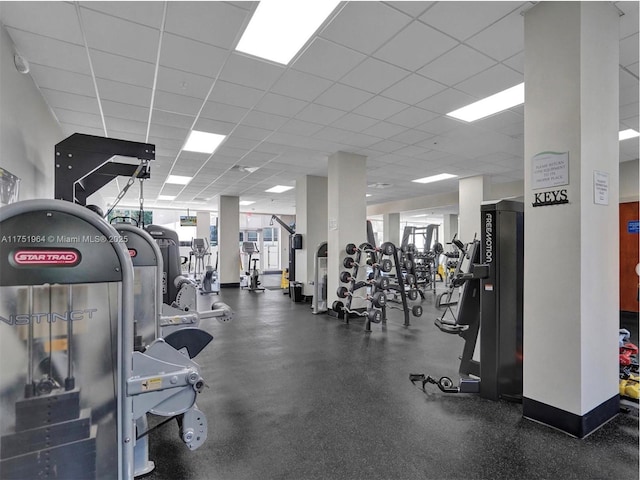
368,195
246,202
203,142
178,179
628,133
166,197
279,189
421,215
493,104
279,28
434,178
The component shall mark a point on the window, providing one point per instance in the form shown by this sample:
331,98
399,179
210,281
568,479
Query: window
270,234
252,236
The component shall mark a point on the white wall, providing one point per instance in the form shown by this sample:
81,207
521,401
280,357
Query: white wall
28,129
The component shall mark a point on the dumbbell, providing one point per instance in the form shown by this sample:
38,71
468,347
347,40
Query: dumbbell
374,316
416,310
381,283
410,279
386,248
379,299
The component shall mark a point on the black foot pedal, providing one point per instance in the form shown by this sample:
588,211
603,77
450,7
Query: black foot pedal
417,377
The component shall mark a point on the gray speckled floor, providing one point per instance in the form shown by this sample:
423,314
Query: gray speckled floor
298,396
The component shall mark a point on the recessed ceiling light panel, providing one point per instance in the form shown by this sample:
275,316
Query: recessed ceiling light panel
166,197
203,142
246,202
498,102
434,178
627,134
279,189
178,179
279,28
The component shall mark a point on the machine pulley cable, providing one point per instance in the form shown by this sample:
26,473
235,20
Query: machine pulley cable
143,166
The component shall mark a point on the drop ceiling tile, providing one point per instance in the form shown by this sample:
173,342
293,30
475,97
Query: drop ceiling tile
300,85
126,135
213,126
191,56
491,41
411,136
164,131
131,40
223,112
413,89
183,83
387,146
70,101
412,116
79,118
37,17
233,94
361,140
251,133
70,129
170,102
122,125
342,97
407,49
364,26
456,65
319,114
516,62
280,105
172,119
373,75
446,101
250,72
464,19
263,120
354,122
384,130
380,108
629,21
122,69
123,92
493,80
122,110
62,80
327,60
216,23
333,134
440,125
629,50
411,8
629,110
145,13
49,52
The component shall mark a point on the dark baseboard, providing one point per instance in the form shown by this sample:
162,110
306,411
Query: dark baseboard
576,425
230,285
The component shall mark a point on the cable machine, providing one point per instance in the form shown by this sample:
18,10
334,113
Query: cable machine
295,243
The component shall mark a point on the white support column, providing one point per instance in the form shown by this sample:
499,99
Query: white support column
347,212
203,226
449,227
571,313
391,228
473,191
311,222
228,241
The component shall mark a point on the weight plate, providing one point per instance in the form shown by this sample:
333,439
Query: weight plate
413,294
342,292
348,262
351,248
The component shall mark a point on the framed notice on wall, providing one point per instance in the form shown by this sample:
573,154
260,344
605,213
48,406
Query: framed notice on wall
549,169
600,188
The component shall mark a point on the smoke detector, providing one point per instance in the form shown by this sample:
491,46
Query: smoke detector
21,63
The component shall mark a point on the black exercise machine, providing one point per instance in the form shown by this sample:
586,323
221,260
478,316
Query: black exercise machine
490,309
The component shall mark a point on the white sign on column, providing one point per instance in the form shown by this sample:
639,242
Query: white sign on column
600,188
549,169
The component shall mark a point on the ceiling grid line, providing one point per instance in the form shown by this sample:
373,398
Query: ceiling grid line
155,73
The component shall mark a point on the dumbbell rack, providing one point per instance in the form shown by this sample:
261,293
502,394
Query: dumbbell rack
379,284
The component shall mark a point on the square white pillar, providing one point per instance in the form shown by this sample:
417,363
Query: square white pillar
228,241
571,313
